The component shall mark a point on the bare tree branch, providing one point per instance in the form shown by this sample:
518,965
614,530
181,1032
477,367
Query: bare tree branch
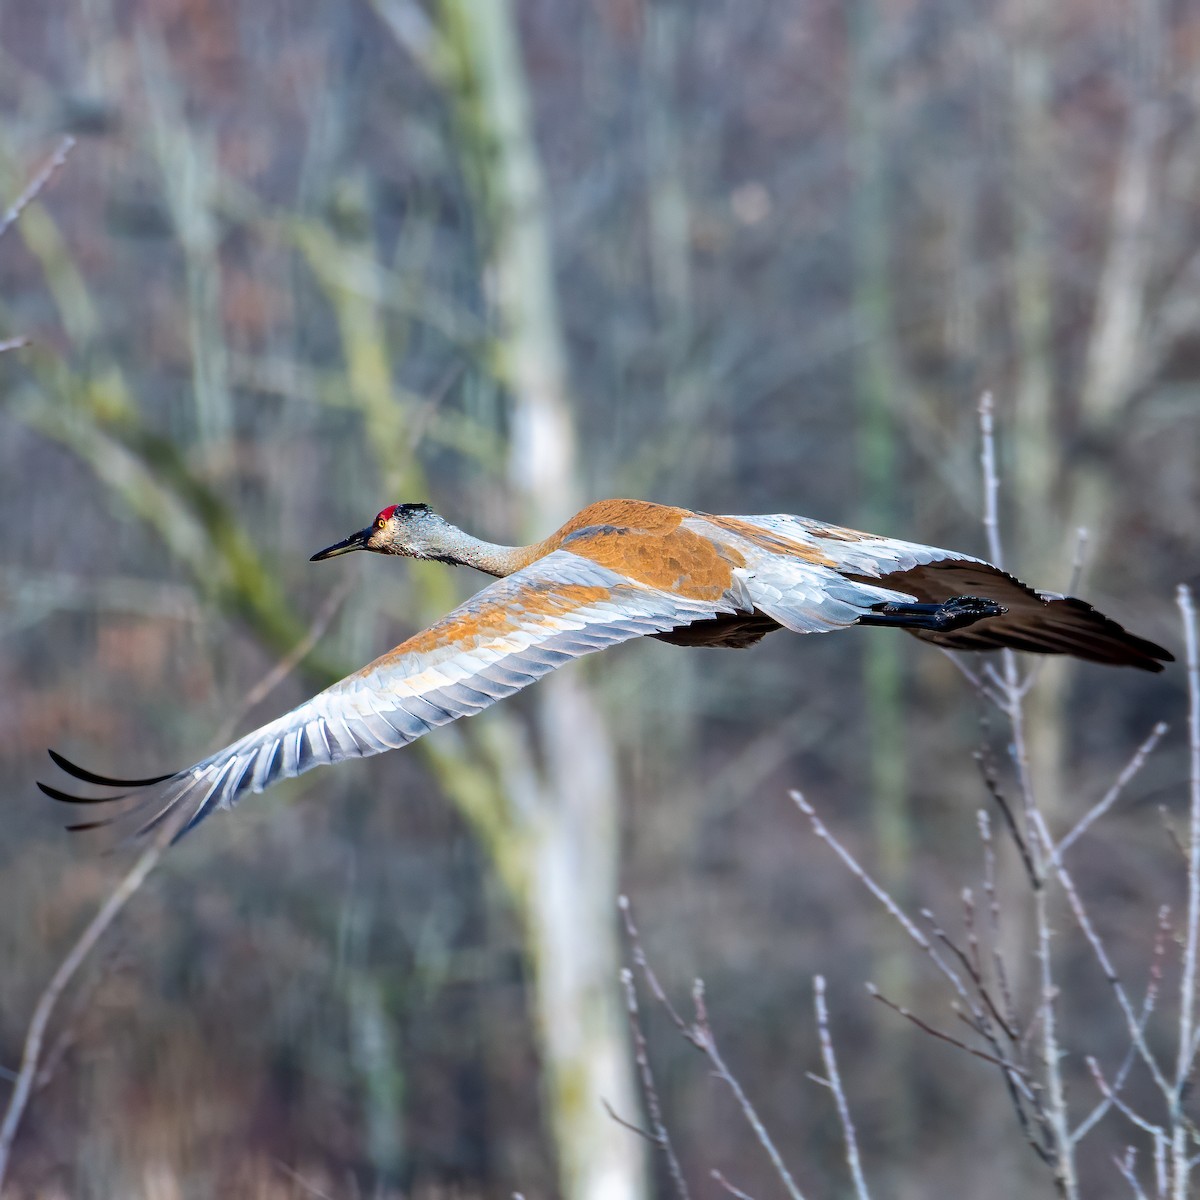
700,1034
44,1009
834,1081
941,1036
30,1075
898,914
991,481
292,659
1130,1114
1126,1166
1148,1003
34,188
660,1137
736,1192
989,887
1010,688
1187,983
1114,793
703,1038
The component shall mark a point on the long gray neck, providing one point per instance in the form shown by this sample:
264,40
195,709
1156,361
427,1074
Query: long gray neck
462,548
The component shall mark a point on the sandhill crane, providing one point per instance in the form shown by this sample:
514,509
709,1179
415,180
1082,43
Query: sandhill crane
620,569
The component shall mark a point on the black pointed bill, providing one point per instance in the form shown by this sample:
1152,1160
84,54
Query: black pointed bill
356,541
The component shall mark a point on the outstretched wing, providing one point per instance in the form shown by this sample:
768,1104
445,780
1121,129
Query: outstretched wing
504,638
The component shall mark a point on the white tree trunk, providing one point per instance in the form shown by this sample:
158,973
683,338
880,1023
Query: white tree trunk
565,823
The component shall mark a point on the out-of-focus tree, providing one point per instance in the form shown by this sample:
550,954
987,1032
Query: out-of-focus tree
556,842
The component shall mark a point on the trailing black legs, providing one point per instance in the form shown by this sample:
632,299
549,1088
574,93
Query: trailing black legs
937,618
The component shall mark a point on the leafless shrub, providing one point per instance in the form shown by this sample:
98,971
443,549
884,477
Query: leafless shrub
1023,1041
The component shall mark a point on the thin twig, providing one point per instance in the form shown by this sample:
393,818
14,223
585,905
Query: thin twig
660,1136
80,1003
1130,1114
700,1034
292,659
898,914
988,773
1172,833
27,1076
991,481
643,965
989,887
975,975
1084,921
620,1120
14,210
1114,793
1057,1112
980,1025
1151,998
1187,982
36,184
834,1080
703,1038
1127,1167
296,1177
974,953
1005,1064
44,1008
974,680
1077,559
1010,688
1008,1021
736,1192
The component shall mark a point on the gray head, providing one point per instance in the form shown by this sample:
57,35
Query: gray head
412,530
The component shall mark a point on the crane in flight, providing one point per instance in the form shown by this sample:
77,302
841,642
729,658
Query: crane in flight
619,569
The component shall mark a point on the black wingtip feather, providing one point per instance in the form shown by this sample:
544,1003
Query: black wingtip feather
87,776
67,798
107,781
84,826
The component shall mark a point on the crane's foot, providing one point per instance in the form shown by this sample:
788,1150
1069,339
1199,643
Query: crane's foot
939,618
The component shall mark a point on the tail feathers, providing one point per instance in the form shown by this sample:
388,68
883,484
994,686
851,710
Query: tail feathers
1062,626
1039,622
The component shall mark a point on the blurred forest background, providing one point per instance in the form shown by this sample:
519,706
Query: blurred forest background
309,258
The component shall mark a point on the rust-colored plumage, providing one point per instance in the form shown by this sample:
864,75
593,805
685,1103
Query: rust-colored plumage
619,569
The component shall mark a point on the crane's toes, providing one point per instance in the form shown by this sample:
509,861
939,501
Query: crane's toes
966,610
937,618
